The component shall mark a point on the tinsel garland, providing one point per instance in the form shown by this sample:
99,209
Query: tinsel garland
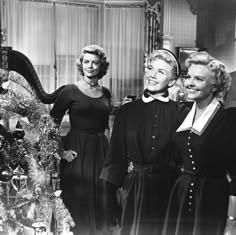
49,135
3,211
1,189
37,174
24,105
31,132
18,79
62,215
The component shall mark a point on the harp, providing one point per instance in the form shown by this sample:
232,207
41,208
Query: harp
12,60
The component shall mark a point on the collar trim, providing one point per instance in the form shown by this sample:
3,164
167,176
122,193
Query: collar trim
151,98
199,126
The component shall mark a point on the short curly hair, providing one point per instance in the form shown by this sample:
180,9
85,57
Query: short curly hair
95,50
222,77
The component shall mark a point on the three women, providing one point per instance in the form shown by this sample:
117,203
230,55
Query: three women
144,134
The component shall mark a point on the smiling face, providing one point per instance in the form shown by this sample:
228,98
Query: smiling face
200,83
91,65
158,76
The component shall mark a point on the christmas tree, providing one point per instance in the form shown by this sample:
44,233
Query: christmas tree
30,200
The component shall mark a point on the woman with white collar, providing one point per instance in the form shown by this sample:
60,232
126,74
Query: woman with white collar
204,144
142,135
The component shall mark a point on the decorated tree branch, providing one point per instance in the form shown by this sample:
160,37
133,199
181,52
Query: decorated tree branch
29,166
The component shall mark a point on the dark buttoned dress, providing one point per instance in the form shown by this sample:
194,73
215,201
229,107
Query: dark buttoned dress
142,135
199,200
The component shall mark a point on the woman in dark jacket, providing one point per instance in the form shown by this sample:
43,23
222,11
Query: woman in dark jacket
141,135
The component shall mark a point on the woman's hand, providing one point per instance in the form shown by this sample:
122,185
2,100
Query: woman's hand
69,155
130,167
230,228
107,134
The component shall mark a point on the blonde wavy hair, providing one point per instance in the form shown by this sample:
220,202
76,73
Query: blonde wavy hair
222,77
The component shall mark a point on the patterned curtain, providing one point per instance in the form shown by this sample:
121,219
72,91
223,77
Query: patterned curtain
152,25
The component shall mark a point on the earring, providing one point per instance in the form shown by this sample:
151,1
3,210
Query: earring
214,87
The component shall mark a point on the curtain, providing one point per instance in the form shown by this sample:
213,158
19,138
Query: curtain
124,45
77,26
51,36
30,30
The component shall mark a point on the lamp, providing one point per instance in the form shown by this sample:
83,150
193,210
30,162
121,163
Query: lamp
152,2
3,35
193,6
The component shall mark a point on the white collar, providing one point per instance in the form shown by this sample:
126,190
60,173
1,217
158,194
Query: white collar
151,98
199,126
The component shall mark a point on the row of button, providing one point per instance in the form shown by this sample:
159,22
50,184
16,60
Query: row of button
191,189
153,136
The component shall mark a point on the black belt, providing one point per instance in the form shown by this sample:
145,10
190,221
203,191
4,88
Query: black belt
146,169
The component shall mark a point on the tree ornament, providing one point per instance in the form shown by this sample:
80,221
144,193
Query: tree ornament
2,141
6,173
18,133
19,179
39,228
181,96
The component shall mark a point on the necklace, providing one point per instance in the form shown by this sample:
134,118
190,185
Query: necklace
91,84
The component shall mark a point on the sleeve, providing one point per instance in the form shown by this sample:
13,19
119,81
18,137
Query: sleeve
175,161
232,173
113,208
231,149
107,94
59,109
62,103
116,163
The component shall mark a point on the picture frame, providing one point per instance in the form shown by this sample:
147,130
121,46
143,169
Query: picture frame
183,53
